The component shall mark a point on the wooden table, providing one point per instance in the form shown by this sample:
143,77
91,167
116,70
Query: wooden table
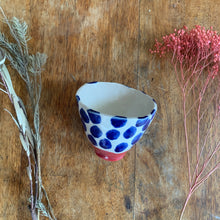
105,40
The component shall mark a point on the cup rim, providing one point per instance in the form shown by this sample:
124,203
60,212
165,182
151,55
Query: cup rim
154,109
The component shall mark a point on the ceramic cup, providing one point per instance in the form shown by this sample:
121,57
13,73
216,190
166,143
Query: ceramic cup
114,117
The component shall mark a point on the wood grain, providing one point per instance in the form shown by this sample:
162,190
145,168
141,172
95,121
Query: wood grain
95,40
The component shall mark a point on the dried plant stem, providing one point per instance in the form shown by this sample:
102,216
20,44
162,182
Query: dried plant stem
195,186
196,61
29,68
185,204
187,139
24,129
197,180
33,212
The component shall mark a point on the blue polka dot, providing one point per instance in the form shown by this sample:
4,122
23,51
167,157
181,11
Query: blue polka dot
77,98
84,116
153,112
105,143
113,134
146,125
136,138
92,82
121,147
118,121
141,121
91,138
95,131
94,116
84,126
130,132
152,117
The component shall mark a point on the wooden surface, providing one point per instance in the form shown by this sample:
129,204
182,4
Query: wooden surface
105,40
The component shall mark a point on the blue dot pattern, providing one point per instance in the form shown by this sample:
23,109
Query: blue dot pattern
84,126
84,116
113,134
153,112
77,98
118,121
141,121
130,132
91,138
136,138
92,82
95,131
146,125
105,143
94,116
122,133
121,147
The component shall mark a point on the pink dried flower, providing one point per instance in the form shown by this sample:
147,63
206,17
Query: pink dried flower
189,47
196,59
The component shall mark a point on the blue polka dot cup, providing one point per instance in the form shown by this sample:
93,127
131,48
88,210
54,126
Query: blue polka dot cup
114,117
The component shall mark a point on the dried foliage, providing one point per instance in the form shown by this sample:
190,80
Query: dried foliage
29,67
195,56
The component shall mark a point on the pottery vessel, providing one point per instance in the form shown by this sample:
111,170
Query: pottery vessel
114,117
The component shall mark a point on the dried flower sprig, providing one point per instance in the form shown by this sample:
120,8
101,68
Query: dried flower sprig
195,55
29,68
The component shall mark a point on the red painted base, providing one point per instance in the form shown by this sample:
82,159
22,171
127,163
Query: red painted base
108,156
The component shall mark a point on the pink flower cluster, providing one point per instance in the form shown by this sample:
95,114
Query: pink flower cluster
196,47
196,59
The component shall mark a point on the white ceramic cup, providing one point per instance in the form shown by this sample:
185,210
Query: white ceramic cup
114,117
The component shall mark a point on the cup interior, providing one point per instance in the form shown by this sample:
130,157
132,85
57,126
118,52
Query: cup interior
115,99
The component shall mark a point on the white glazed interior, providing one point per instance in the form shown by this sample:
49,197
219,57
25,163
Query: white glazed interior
115,99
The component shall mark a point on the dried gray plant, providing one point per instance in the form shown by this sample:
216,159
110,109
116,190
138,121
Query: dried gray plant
29,68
